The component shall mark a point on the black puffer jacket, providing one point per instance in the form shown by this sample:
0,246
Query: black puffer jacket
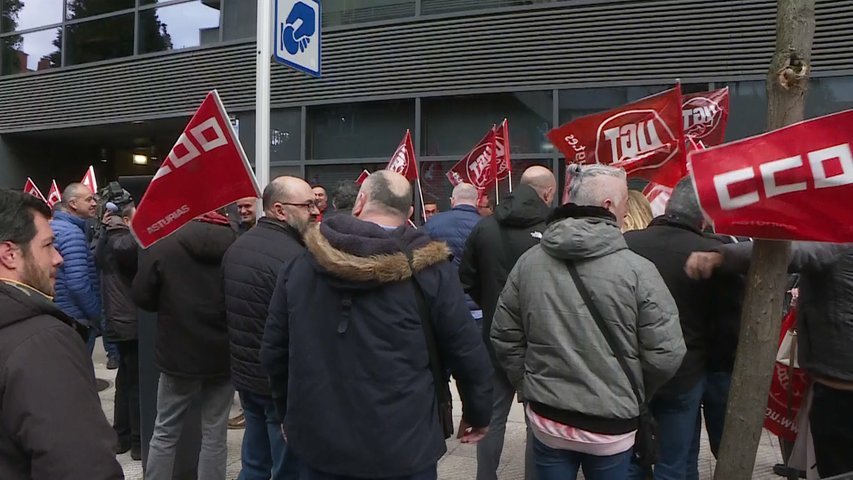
495,245
251,268
116,254
51,422
180,278
825,306
347,357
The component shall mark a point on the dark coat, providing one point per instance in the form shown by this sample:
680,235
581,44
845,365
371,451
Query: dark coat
347,357
668,243
51,422
251,268
78,291
494,246
117,256
453,228
180,278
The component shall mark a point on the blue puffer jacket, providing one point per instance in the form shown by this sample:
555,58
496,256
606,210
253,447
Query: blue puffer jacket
78,290
453,228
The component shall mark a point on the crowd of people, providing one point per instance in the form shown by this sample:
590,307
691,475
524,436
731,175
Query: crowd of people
339,327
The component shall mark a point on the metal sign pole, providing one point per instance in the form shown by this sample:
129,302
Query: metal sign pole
262,92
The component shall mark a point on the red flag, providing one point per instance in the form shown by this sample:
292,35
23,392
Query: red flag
206,169
53,196
792,183
361,178
403,161
644,138
31,188
658,196
788,387
89,180
706,115
477,167
503,164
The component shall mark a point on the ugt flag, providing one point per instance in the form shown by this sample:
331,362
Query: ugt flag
645,138
478,166
504,165
706,115
206,170
403,161
31,188
789,184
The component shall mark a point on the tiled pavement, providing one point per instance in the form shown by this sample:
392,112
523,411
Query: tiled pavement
460,463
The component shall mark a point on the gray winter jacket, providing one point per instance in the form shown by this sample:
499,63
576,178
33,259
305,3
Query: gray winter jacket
825,306
549,344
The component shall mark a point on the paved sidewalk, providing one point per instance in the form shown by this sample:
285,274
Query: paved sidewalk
460,463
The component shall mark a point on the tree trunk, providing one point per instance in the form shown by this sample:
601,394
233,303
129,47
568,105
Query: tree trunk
762,310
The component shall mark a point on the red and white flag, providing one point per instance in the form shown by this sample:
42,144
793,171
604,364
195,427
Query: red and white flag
207,169
403,161
31,188
361,178
53,195
478,166
90,181
645,138
503,163
789,184
658,196
706,115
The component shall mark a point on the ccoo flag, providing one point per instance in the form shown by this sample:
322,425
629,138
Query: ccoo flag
207,169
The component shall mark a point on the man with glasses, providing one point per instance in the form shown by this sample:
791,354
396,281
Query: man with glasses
51,417
78,290
251,268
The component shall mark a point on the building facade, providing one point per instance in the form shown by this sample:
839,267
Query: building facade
96,81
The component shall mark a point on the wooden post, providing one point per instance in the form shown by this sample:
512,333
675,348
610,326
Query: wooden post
761,319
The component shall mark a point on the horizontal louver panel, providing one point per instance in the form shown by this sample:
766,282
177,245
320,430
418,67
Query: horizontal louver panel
550,46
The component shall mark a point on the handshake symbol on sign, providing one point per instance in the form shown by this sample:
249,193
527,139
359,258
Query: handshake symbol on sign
298,28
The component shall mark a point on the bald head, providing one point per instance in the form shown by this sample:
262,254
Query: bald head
384,194
75,190
464,194
79,201
542,180
285,190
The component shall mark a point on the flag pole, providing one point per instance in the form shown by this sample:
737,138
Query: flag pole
421,194
509,177
497,192
262,93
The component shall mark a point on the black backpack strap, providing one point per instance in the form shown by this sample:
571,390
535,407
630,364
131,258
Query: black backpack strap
608,334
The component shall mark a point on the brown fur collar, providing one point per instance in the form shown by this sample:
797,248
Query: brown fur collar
384,268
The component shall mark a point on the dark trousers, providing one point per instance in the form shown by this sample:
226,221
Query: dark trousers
264,452
126,420
831,420
308,473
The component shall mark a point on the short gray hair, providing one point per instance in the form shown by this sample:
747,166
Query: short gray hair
684,204
465,193
584,189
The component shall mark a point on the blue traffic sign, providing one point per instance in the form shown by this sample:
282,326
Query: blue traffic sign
297,35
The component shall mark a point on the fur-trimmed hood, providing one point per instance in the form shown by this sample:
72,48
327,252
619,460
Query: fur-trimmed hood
362,254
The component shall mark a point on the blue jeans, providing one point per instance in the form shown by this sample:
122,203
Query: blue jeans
553,464
714,400
308,473
676,416
264,449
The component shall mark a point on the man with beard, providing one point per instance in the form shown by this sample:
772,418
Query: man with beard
251,268
51,422
78,290
346,344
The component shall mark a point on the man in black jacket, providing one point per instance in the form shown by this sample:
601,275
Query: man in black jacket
180,278
51,422
116,256
668,242
491,251
251,268
346,351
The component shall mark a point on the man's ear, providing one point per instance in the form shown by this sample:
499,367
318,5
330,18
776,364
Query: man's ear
9,255
358,207
411,212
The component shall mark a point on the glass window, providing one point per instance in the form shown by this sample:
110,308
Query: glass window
329,175
97,40
576,103
87,8
444,6
178,26
347,12
239,19
18,15
829,95
358,130
31,52
747,109
453,125
285,134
